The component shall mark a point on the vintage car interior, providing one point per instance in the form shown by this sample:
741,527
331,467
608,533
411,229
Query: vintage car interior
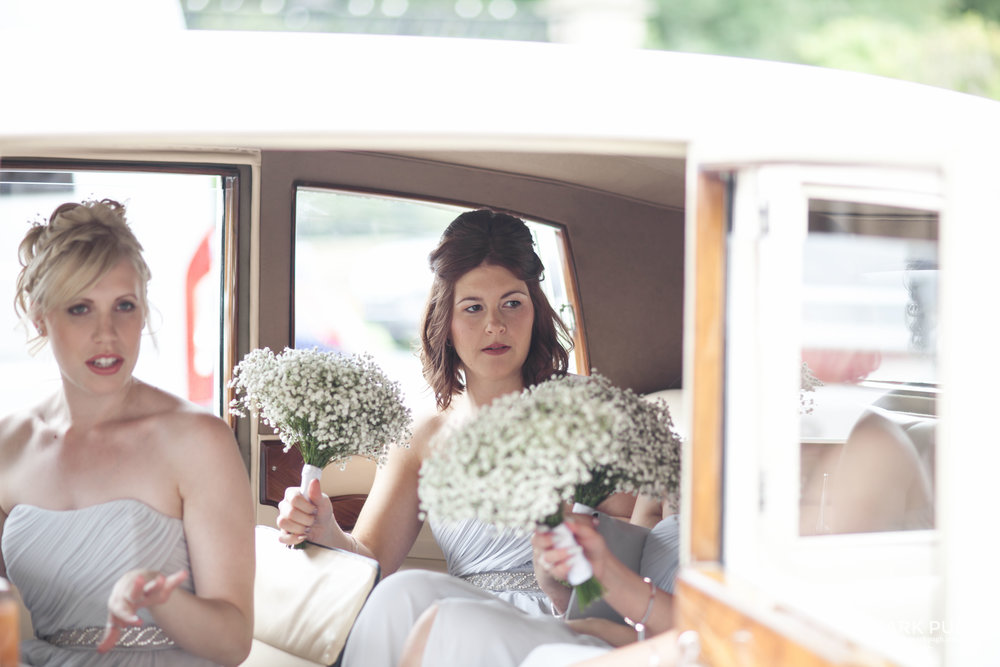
710,225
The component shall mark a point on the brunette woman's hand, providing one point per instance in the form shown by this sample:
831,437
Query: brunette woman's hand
552,563
133,591
557,562
306,516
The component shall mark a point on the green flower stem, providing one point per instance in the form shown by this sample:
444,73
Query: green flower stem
554,519
601,485
588,592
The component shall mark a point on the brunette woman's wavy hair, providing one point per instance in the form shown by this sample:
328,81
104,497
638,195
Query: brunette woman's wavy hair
487,237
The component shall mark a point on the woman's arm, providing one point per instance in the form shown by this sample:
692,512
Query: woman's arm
13,435
613,633
388,523
648,511
216,622
628,593
664,650
3,567
558,591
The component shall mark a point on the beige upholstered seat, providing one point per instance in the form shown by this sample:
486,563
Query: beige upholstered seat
305,601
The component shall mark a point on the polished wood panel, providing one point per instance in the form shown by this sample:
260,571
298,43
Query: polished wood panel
706,383
738,630
281,469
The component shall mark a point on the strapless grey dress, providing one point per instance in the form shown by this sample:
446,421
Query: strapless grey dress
65,564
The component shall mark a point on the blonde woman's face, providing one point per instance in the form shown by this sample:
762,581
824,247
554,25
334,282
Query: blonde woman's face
95,337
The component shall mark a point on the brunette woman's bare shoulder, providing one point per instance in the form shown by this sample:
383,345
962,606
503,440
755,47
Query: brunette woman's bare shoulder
427,427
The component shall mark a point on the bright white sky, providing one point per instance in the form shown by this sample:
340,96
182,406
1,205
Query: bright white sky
102,15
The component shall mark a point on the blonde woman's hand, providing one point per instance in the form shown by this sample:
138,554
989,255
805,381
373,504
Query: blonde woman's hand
133,591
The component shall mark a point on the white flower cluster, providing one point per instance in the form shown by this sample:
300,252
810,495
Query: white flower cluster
521,456
330,406
809,382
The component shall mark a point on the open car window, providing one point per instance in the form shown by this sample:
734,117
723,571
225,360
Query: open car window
362,277
179,219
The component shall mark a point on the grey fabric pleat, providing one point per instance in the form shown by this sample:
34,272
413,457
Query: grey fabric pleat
65,564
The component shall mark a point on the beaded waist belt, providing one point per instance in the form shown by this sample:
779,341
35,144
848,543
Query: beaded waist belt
504,581
147,636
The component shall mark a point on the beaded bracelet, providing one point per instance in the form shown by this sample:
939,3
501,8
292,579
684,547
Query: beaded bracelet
640,625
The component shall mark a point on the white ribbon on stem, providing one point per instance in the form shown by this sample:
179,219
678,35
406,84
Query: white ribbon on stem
309,473
580,569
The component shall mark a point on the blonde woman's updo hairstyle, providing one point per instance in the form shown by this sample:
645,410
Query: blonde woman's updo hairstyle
70,253
498,239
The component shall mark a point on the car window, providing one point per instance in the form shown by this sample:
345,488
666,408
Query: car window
362,277
178,218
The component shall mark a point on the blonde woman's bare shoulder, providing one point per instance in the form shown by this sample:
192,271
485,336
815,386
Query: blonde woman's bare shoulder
15,432
17,427
183,422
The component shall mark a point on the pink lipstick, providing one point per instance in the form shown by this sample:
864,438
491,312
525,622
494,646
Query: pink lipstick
105,364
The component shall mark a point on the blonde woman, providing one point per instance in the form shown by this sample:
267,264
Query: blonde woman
125,512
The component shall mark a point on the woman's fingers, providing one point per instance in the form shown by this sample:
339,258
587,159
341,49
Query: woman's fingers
302,516
134,591
158,590
110,638
176,579
122,607
296,514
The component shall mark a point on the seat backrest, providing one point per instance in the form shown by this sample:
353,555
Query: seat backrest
306,600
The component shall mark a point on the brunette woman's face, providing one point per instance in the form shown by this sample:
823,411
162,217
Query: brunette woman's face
95,337
491,324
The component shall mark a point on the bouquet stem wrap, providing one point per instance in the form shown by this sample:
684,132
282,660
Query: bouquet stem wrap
580,569
309,473
581,573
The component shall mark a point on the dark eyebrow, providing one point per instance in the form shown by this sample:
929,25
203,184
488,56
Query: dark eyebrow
502,296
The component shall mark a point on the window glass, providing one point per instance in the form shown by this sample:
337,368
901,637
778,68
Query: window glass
178,219
362,277
868,336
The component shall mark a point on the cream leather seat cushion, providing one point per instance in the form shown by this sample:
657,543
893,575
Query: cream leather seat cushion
305,601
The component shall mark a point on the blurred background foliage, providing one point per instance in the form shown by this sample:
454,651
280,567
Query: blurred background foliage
948,43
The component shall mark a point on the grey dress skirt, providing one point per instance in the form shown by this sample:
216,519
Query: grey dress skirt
65,563
485,634
483,564
659,562
474,627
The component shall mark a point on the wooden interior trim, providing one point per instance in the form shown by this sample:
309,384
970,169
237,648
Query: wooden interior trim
230,293
734,631
280,469
580,351
706,385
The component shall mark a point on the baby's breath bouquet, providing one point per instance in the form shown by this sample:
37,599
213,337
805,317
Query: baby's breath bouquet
329,406
809,383
568,439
